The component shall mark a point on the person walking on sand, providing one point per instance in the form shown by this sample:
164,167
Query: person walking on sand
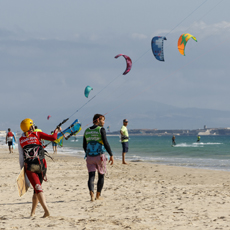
32,157
95,144
124,140
54,145
9,140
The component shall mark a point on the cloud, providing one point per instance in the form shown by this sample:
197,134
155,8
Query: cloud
138,36
205,30
199,28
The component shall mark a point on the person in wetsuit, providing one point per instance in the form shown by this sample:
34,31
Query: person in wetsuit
173,140
95,144
32,157
198,138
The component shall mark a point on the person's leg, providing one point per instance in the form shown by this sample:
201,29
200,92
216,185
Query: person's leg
91,184
36,181
42,200
123,158
124,151
55,148
100,184
9,147
34,204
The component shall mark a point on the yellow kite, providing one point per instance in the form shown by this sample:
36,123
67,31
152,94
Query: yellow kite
183,39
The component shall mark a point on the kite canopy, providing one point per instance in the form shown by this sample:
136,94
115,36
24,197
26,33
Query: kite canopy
48,117
183,39
128,62
73,129
157,47
87,90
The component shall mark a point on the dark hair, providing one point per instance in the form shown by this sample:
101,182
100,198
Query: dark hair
9,130
96,116
35,127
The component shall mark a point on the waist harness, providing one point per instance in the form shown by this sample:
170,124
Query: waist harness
94,148
33,153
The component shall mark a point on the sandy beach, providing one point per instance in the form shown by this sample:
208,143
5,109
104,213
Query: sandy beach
136,196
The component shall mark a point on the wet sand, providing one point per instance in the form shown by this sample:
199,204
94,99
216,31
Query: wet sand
136,196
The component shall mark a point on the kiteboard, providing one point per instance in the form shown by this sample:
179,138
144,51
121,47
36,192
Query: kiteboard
13,141
22,183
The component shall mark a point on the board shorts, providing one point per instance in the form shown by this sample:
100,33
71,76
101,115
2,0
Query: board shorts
36,179
10,143
95,163
54,144
125,147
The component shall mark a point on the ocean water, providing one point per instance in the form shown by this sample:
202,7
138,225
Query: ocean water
212,152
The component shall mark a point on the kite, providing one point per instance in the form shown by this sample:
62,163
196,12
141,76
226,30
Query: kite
157,47
73,129
48,117
128,62
87,90
183,39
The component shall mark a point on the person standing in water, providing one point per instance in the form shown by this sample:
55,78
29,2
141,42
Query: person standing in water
124,140
198,138
95,144
9,140
32,157
173,140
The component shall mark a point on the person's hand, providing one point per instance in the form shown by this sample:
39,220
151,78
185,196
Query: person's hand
58,130
111,160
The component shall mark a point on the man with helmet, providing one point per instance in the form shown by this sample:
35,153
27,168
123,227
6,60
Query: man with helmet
32,157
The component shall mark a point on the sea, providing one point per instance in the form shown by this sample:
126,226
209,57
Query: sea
212,152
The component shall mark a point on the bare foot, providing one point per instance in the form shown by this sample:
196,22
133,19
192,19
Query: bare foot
124,163
98,196
46,214
92,196
32,214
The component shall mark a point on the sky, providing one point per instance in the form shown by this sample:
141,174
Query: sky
51,50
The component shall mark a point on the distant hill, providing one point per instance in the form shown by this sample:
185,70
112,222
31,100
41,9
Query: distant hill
161,116
141,115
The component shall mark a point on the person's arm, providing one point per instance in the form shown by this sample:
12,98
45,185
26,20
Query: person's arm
48,137
106,143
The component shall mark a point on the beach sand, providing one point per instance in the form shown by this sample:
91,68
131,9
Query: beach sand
136,196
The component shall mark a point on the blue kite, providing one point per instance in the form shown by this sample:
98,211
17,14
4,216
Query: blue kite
87,90
157,47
